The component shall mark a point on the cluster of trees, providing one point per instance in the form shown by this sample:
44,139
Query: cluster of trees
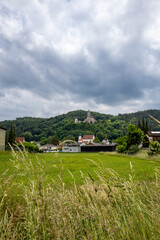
140,115
50,140
144,125
63,126
31,147
129,143
57,128
11,141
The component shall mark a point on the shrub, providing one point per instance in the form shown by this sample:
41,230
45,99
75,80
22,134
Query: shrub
129,143
121,140
31,147
121,149
133,136
133,149
145,141
154,148
96,140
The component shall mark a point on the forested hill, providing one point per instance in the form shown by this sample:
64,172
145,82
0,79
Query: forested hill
106,126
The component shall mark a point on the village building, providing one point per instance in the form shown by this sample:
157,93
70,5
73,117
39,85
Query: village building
71,147
49,148
90,147
2,138
154,136
105,142
98,147
20,140
86,139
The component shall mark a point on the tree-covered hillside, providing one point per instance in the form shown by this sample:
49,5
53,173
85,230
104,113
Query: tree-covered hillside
106,126
135,117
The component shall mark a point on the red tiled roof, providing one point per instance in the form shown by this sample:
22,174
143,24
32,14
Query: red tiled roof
88,136
20,139
153,134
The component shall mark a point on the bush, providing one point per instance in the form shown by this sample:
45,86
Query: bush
121,140
31,147
121,149
133,149
129,143
145,141
133,136
154,148
96,140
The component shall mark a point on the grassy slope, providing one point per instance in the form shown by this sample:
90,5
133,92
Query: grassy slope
76,162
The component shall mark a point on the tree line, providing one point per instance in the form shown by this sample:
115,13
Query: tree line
51,130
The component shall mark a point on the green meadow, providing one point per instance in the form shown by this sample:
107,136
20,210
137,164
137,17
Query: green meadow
72,166
79,196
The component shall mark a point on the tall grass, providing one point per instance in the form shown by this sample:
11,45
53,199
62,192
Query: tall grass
110,208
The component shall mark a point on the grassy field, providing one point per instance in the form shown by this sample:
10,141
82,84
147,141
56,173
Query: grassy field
40,200
72,165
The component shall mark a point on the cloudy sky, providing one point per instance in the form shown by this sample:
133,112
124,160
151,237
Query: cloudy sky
62,55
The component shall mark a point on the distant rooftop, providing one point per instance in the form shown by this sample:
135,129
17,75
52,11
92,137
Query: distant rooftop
88,136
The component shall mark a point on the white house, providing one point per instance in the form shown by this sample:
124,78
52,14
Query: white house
86,139
49,147
71,148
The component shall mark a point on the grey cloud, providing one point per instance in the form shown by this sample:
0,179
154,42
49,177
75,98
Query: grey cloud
108,83
110,79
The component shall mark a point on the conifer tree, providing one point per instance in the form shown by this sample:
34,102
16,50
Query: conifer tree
11,135
143,125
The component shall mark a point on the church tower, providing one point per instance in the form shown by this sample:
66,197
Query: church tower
88,114
89,119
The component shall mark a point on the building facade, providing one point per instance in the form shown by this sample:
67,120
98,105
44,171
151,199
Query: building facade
49,147
98,148
92,147
2,138
86,139
154,136
71,148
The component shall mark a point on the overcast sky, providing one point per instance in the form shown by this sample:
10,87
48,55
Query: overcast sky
62,55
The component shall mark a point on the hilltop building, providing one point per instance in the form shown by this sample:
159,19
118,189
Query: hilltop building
2,138
76,120
89,119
